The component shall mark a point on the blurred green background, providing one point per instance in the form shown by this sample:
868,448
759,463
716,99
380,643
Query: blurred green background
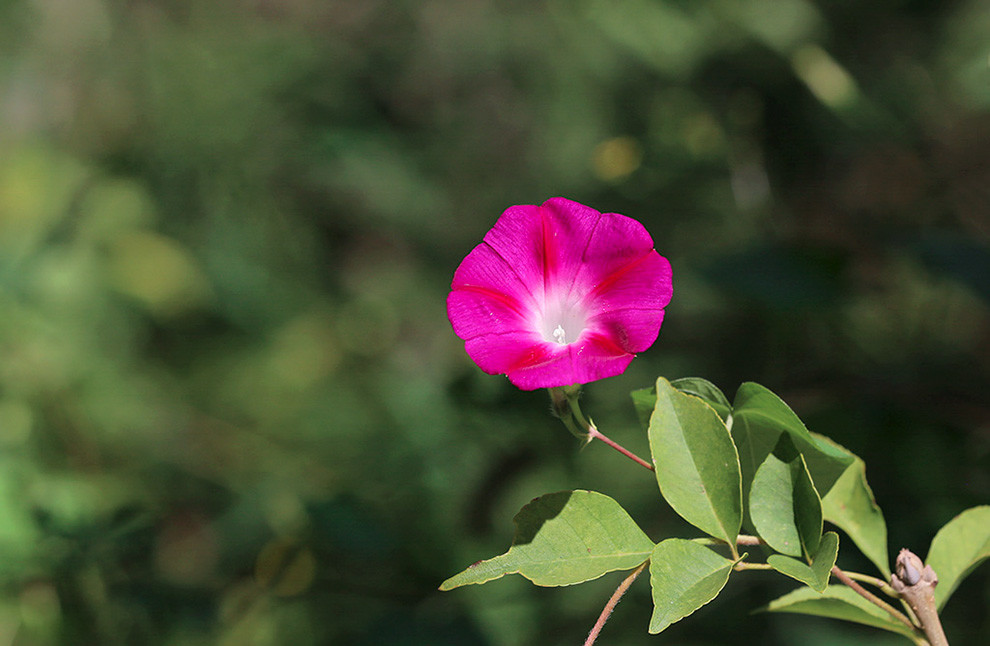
232,410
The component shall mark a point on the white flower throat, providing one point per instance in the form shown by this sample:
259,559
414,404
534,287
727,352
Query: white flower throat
562,322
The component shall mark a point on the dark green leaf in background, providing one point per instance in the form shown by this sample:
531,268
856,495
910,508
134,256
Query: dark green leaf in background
964,258
685,576
816,575
565,538
961,545
644,401
697,467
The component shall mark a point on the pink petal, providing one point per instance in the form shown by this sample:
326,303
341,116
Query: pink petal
615,243
507,354
629,303
592,358
544,244
487,297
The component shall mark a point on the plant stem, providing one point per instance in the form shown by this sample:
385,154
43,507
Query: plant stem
916,582
745,539
739,567
880,584
847,578
872,598
612,603
575,430
741,539
594,433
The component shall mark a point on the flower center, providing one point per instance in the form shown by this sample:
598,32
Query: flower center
562,323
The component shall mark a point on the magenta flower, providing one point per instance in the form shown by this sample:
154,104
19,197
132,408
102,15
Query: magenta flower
559,294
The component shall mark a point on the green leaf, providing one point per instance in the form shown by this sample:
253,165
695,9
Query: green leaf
696,463
783,504
644,401
754,443
851,507
562,539
815,576
759,417
707,391
958,548
685,576
838,602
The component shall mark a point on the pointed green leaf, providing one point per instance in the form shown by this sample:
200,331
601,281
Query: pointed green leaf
707,391
696,463
754,443
759,417
851,507
644,401
771,506
807,508
816,575
958,548
685,576
783,504
838,602
565,538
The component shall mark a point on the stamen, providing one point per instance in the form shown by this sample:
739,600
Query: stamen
558,335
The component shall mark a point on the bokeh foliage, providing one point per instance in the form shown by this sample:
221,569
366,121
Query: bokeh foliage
231,407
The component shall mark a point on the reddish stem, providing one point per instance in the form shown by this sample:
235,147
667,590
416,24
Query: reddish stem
594,433
612,603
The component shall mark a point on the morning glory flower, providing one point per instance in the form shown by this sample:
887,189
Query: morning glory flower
559,294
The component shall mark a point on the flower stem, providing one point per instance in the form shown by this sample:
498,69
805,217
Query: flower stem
571,415
594,433
612,603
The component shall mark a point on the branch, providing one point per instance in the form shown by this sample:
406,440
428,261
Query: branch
872,598
916,582
612,603
880,584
